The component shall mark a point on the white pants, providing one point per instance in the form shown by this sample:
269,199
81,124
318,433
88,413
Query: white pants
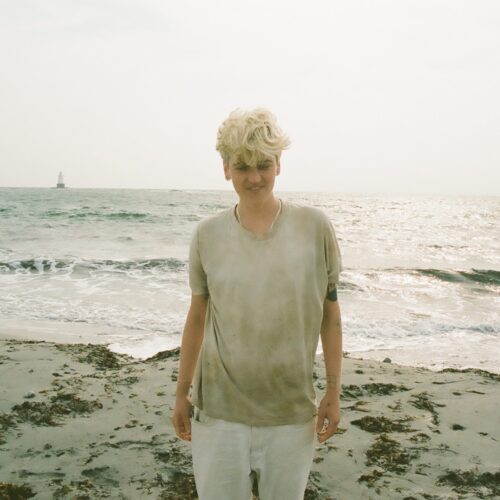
226,453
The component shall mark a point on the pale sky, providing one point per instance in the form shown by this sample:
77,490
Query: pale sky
393,96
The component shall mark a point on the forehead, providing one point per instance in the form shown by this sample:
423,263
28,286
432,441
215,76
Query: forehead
251,158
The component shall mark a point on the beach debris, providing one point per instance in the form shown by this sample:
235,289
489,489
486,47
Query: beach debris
382,424
358,405
314,490
390,455
396,406
353,391
80,490
477,371
163,355
98,356
370,478
179,483
102,476
420,437
484,485
42,413
422,401
10,491
180,486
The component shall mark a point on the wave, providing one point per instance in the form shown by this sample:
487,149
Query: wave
82,214
365,280
483,276
84,266
348,282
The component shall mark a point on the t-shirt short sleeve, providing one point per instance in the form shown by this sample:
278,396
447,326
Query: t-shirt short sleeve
332,255
197,275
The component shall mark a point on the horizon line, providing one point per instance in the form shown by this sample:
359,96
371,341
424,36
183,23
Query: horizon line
228,190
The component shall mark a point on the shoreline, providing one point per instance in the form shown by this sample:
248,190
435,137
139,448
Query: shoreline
79,421
113,337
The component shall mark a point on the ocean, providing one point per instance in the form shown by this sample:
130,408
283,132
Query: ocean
420,285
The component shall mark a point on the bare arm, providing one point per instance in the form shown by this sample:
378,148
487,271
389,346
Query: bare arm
192,338
331,341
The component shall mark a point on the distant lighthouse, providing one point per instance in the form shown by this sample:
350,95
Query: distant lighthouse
60,181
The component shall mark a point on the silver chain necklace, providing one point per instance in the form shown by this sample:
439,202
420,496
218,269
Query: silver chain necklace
272,223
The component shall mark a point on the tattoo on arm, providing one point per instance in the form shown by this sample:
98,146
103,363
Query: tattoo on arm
332,382
332,294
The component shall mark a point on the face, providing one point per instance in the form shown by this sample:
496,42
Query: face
253,182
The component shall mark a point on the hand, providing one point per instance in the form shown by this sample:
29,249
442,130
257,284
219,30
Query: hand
328,417
181,418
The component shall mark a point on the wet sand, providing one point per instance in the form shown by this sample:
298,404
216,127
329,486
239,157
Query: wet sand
78,421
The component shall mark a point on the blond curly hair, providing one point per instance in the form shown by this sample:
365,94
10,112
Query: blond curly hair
251,136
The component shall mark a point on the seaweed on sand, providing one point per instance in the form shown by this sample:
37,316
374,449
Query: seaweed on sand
163,355
9,491
382,424
472,481
96,355
371,478
180,486
476,371
6,422
42,413
353,391
389,455
422,401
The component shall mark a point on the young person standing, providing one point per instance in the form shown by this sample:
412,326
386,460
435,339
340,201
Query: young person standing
263,276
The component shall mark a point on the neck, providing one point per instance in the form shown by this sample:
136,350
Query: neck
262,221
259,208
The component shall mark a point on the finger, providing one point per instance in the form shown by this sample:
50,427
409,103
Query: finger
328,432
187,428
177,427
320,422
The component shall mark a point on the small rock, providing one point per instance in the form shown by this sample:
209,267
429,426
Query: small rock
29,395
387,360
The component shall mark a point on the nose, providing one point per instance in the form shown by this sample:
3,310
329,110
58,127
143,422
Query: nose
254,176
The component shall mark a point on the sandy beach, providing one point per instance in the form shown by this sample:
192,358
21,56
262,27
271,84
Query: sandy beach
78,421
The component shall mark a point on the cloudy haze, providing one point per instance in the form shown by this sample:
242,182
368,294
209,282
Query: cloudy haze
390,96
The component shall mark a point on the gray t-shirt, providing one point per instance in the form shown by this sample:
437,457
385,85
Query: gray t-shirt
265,306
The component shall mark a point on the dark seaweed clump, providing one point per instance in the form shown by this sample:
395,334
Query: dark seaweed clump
389,455
381,424
9,491
371,478
423,402
101,357
471,482
314,490
42,413
97,355
179,484
476,371
6,422
373,389
163,355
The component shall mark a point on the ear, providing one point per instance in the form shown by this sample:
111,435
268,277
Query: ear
227,173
